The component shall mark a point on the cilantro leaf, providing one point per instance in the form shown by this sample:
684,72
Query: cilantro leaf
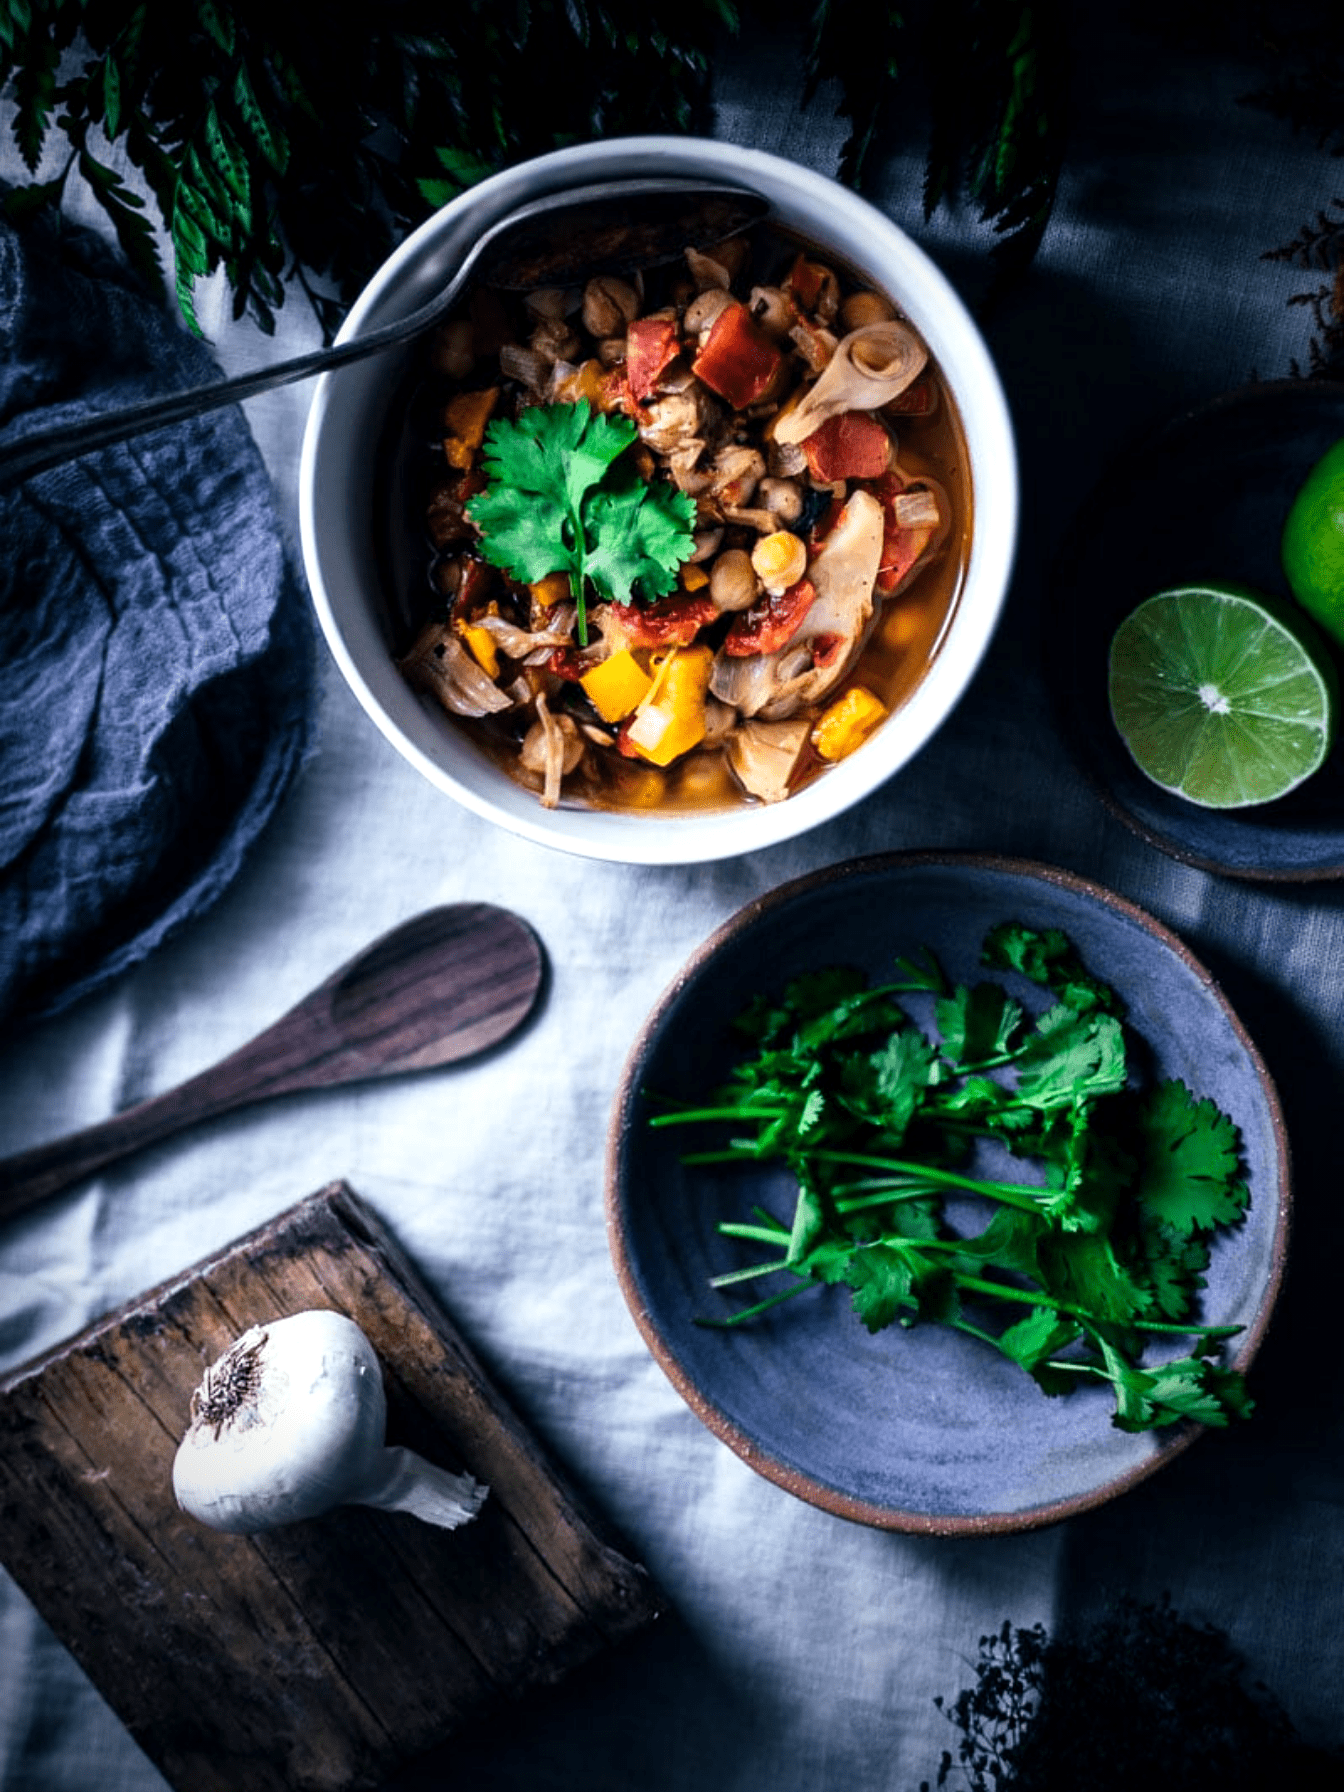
638,536
1083,1269
922,973
1047,956
560,500
1069,1055
1042,1334
886,1085
1191,1388
1190,1177
977,1023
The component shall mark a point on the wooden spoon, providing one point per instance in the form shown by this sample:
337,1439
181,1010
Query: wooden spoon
435,990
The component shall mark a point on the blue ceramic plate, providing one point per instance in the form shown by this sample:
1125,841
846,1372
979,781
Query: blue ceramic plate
1205,498
922,1429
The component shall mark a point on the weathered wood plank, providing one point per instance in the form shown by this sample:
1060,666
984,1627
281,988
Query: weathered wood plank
318,1657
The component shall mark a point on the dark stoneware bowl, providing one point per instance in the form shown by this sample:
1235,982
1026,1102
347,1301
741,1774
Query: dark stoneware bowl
921,1429
1205,498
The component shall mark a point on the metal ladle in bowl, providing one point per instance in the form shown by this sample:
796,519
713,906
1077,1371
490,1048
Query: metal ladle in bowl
553,241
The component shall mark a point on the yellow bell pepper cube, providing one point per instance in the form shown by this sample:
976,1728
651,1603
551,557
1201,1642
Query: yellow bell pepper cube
671,718
553,589
480,644
693,576
464,419
586,381
617,685
848,723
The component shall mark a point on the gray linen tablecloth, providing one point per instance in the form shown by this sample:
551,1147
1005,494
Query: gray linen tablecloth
802,1651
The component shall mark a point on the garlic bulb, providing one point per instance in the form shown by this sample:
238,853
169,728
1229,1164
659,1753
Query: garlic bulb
290,1422
870,367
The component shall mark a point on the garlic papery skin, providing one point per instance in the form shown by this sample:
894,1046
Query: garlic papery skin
290,1422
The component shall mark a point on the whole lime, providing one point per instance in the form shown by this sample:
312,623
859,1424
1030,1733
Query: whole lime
1313,543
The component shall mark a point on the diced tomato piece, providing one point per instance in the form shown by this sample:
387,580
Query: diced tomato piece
474,587
853,445
738,360
570,663
615,393
651,345
805,282
770,622
826,649
901,548
668,622
920,399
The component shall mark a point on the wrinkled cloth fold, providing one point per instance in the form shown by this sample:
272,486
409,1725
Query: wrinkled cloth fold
156,662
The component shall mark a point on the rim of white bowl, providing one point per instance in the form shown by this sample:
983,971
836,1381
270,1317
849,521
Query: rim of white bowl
347,405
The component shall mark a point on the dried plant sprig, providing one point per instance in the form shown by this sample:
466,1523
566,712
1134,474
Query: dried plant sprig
1319,247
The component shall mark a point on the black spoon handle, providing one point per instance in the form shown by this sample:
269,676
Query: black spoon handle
49,447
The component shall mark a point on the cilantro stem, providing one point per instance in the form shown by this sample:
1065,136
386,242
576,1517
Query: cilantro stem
734,1113
735,1229
761,1306
1027,1196
745,1275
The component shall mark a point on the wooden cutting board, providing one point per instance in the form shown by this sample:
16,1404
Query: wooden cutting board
322,1655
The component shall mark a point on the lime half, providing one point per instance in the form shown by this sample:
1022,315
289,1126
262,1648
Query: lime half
1219,698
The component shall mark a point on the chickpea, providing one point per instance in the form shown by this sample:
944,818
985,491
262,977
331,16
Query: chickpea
554,340
782,498
863,308
706,544
732,581
773,311
704,308
608,306
779,560
706,271
547,302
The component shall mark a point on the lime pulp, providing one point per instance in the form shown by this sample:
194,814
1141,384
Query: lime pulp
1219,697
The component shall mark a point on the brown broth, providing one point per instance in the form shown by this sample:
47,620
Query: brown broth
902,646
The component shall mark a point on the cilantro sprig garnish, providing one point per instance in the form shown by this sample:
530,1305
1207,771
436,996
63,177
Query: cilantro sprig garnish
1090,1251
564,497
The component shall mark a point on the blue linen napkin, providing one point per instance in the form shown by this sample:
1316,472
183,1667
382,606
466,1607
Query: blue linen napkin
156,652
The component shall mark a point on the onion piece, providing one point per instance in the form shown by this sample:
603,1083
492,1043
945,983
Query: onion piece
869,368
441,667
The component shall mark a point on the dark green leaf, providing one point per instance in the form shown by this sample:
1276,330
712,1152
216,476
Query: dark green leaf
111,96
266,133
218,21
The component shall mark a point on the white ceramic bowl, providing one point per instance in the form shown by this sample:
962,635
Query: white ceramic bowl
337,481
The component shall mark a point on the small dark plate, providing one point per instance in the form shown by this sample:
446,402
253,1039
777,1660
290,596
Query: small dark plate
1205,498
922,1429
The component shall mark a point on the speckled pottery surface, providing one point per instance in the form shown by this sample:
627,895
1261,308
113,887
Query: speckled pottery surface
920,1429
1205,498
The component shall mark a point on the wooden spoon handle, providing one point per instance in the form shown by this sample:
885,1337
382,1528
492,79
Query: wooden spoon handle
441,987
30,1176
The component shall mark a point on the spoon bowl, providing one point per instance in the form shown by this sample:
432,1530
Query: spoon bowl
440,988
